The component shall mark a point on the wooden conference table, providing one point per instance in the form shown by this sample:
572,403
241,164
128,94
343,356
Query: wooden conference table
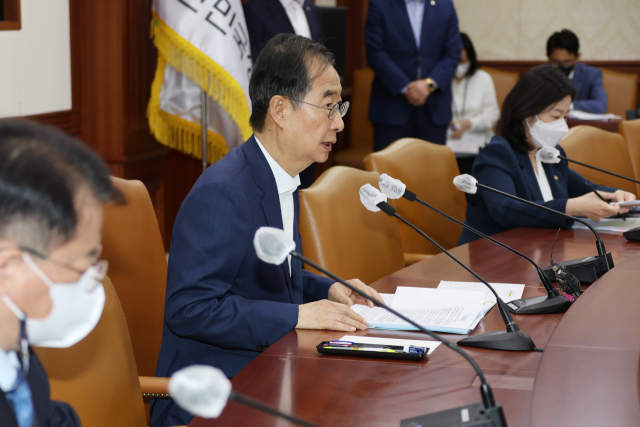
586,376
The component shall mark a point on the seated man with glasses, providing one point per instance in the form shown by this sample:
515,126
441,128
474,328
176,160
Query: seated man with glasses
52,191
223,305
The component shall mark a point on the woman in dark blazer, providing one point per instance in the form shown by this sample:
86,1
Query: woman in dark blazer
533,115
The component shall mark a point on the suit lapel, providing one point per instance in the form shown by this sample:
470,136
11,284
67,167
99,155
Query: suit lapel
429,11
271,200
6,413
313,27
529,175
400,10
280,18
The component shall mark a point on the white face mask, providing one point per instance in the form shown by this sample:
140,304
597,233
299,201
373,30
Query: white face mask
77,308
548,134
462,69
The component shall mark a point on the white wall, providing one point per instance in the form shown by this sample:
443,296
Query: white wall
35,62
519,29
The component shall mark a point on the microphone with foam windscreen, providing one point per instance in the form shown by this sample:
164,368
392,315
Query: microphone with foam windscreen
203,390
273,245
553,302
513,338
587,270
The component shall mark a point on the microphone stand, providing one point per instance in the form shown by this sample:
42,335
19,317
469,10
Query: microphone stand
586,270
560,156
512,339
553,302
492,413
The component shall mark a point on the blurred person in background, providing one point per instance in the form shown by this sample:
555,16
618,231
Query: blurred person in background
413,46
474,108
563,51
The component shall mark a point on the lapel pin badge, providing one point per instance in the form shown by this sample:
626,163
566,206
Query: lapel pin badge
556,177
433,2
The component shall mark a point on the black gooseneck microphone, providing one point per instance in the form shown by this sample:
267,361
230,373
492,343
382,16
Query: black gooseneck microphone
513,338
553,302
587,270
273,245
552,155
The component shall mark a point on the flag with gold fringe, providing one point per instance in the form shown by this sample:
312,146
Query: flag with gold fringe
203,45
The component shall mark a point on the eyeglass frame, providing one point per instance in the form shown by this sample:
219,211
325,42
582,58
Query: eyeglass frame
101,266
338,104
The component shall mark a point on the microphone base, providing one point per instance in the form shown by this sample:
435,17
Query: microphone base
470,415
539,305
586,270
500,340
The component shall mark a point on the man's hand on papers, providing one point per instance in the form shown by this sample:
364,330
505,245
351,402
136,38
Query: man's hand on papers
340,293
325,314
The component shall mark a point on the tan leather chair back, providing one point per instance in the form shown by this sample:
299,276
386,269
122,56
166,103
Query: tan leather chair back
360,128
340,234
606,150
504,81
98,376
428,170
630,131
138,268
622,91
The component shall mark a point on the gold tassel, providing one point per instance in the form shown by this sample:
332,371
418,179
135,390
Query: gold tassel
174,131
178,133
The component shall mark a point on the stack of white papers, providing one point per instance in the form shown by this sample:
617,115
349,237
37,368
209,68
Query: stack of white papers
454,307
583,115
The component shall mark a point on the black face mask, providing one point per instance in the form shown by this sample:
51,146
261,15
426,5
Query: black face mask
566,69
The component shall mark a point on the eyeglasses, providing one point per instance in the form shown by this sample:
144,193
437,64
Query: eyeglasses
340,106
99,267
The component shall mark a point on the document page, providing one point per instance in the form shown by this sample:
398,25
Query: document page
507,291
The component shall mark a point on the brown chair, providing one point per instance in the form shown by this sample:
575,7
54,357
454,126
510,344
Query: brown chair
340,234
630,131
138,268
606,150
428,170
504,81
622,91
98,376
360,128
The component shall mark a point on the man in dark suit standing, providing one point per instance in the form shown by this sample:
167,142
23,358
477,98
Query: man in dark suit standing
563,51
52,189
224,305
414,48
268,18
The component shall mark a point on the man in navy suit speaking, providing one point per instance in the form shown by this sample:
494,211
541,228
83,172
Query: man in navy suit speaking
223,305
414,48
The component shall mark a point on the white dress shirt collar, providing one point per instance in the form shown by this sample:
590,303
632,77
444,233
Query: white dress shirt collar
285,182
9,365
286,3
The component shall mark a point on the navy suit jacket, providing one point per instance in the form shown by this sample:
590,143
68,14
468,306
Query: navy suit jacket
267,18
223,304
501,167
394,57
48,413
591,95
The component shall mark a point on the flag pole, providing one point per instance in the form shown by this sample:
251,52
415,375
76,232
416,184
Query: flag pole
203,109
